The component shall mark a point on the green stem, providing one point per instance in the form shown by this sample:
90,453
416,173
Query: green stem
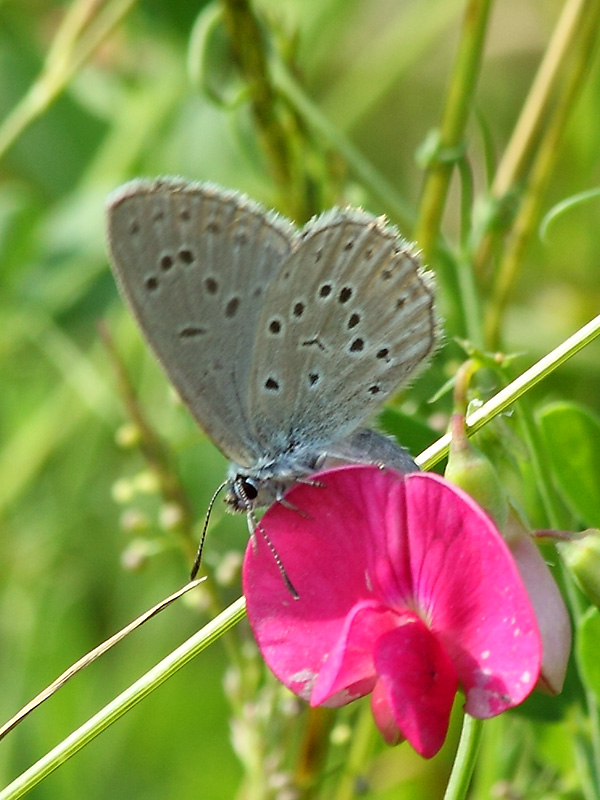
361,167
468,293
359,753
526,134
505,397
466,755
275,129
72,47
126,700
456,114
543,166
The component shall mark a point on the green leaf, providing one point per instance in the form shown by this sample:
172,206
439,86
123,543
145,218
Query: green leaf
573,434
565,205
587,649
410,431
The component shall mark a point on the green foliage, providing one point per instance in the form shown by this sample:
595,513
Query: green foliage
573,436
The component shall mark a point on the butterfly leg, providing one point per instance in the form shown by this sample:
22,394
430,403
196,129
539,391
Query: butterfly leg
253,526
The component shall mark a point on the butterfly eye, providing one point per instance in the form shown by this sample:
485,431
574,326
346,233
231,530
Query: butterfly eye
249,489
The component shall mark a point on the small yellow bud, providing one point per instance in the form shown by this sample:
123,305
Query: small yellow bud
127,436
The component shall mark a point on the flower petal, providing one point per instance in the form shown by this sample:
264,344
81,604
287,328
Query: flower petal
420,683
384,716
331,544
469,589
349,671
551,613
365,537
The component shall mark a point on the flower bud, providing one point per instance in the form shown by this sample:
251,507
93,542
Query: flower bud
472,471
136,555
128,435
582,555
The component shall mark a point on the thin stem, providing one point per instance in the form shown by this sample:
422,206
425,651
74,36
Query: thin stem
466,755
126,700
72,47
154,452
358,756
468,294
505,397
313,751
543,165
525,136
361,167
458,104
90,657
249,48
525,139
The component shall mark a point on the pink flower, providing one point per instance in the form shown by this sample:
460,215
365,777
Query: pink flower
406,591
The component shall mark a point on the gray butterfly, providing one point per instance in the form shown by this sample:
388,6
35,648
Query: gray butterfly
280,341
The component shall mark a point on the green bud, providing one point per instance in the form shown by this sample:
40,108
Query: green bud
128,435
582,556
472,471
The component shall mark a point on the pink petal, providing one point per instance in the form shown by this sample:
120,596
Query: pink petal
349,671
551,613
469,589
420,683
374,538
384,717
331,548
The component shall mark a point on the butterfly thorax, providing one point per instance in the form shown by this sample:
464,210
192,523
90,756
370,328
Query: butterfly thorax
266,481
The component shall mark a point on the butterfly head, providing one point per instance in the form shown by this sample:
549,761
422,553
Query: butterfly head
265,483
242,493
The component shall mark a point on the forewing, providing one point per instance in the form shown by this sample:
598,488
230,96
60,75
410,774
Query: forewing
194,262
348,319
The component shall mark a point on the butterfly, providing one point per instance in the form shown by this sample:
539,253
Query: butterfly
281,341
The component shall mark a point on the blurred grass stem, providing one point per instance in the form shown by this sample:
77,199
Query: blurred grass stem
154,452
526,133
126,700
250,51
85,26
359,165
545,159
456,114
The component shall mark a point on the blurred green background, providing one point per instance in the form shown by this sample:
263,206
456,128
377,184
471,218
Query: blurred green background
378,70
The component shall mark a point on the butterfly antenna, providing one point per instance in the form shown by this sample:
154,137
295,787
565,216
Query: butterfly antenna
198,559
254,526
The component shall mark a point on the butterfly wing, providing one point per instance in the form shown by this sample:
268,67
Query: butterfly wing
194,262
347,319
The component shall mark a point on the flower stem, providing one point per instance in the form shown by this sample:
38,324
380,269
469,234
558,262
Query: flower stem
543,165
505,397
459,102
359,165
464,763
